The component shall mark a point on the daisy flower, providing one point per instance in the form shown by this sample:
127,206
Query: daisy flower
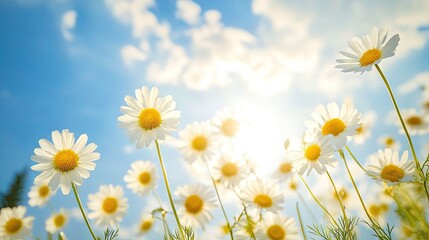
387,167
39,195
65,161
196,201
142,177
341,123
389,142
245,229
284,169
197,142
262,195
277,227
368,51
148,117
417,123
364,132
145,224
226,124
229,170
316,152
57,221
108,206
14,224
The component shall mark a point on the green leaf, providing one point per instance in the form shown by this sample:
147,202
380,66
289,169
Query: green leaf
14,196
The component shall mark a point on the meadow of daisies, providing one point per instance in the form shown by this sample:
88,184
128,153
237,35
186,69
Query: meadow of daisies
393,206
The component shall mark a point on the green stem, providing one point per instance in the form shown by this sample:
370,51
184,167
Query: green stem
340,199
318,202
249,222
166,230
167,186
220,201
354,158
300,222
306,205
82,211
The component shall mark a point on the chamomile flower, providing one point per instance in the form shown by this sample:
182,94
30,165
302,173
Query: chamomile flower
14,224
388,141
57,221
226,124
388,168
65,161
196,201
316,152
197,142
229,170
364,131
417,123
277,227
39,195
146,224
369,50
262,195
284,169
108,206
148,117
142,177
341,123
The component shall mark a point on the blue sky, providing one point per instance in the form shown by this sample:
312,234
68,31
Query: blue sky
69,64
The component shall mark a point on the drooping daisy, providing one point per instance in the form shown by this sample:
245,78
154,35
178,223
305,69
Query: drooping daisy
39,195
364,131
148,117
57,221
65,161
277,227
389,142
316,152
368,51
142,177
245,229
262,195
14,224
146,224
229,170
108,206
197,142
341,123
226,124
195,201
388,168
417,123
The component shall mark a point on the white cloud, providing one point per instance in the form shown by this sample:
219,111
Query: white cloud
188,11
131,54
68,22
420,81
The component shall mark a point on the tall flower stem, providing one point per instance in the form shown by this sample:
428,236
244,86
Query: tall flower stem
82,211
220,201
354,158
300,222
340,199
167,186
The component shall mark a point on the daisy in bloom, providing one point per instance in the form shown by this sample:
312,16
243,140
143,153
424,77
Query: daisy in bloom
262,195
368,51
145,224
229,170
316,152
142,177
108,206
245,229
277,227
389,142
284,169
196,201
364,132
341,123
39,195
417,123
57,221
387,167
197,142
65,161
226,124
148,117
14,224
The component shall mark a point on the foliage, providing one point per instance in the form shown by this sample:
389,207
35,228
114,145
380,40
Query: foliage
345,230
14,196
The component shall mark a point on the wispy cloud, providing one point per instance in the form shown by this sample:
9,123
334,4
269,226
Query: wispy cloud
68,22
188,11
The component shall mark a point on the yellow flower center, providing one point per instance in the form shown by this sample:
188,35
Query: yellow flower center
146,225
149,119
276,232
44,191
263,200
334,126
292,185
376,210
59,220
359,130
194,204
414,121
225,229
144,178
110,204
343,194
313,152
230,127
389,141
229,169
13,225
370,57
199,143
65,160
392,173
285,167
